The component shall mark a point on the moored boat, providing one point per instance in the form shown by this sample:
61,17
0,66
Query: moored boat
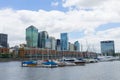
29,63
79,62
75,61
49,64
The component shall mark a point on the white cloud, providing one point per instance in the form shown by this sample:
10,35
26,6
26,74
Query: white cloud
100,9
14,22
93,41
110,33
93,13
99,4
83,3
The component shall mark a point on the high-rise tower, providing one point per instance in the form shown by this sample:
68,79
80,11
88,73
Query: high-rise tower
107,48
42,37
32,36
64,42
3,40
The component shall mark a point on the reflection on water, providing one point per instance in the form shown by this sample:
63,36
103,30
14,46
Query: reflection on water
96,71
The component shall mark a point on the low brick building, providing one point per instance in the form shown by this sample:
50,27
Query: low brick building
4,50
37,53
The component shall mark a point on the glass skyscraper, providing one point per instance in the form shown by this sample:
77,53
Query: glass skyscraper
42,37
53,43
107,48
32,36
3,40
58,45
64,42
77,46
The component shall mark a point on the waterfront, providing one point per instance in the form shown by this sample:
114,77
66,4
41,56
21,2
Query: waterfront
93,71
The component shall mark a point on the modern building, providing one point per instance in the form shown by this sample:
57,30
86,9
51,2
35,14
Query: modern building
77,46
71,47
32,36
58,45
42,37
48,43
64,42
53,43
107,48
3,40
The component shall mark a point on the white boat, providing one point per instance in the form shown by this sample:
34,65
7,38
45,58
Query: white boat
79,61
69,64
74,61
107,58
59,63
91,60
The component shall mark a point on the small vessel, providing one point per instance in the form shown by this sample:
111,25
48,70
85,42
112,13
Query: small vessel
107,58
90,60
67,61
74,60
79,61
60,63
29,63
69,64
49,64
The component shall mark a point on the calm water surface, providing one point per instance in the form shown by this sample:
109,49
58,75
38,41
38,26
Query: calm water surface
95,71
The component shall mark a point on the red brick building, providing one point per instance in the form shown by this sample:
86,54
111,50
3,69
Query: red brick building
4,50
38,53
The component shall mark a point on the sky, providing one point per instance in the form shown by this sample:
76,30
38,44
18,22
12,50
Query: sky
88,21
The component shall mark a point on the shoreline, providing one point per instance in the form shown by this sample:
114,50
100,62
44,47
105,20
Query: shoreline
12,59
9,59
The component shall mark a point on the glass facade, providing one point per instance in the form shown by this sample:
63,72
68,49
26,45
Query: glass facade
48,44
107,48
64,42
3,40
77,46
32,36
53,43
42,37
58,45
71,47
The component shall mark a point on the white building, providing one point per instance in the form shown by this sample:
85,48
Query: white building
71,47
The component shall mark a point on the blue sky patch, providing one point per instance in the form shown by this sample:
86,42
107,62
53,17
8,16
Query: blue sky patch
108,26
32,5
76,34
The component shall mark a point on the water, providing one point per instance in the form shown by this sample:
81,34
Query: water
94,71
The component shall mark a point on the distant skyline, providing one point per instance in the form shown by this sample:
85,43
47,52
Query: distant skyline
88,21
